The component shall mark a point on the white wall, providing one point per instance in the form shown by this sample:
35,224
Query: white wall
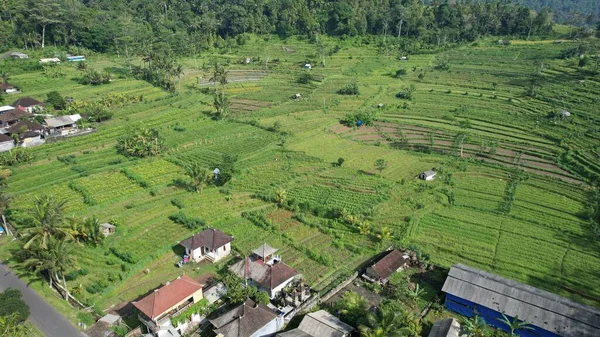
268,330
278,289
5,146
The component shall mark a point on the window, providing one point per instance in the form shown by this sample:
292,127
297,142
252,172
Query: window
224,248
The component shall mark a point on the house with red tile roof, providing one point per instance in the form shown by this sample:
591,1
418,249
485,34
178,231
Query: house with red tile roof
265,270
210,244
156,309
392,262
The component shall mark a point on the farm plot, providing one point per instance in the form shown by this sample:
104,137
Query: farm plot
247,105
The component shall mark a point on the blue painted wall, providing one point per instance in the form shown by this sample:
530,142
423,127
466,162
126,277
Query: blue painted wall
470,309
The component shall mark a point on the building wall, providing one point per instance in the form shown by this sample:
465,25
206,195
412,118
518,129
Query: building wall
278,289
33,141
5,146
223,251
492,317
197,296
268,330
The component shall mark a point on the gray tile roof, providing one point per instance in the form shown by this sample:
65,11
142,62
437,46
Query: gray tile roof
59,121
264,250
243,320
268,276
210,238
448,327
537,307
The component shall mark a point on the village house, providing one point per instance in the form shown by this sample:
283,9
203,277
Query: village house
50,60
265,270
103,326
249,319
210,244
107,229
392,262
18,55
6,143
28,104
471,292
427,175
62,125
28,133
11,117
6,108
319,324
8,88
157,308
448,327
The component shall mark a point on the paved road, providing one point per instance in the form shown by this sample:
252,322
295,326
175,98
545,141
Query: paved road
46,318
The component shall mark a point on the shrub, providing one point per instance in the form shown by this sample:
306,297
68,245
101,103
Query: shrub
340,161
400,72
407,93
15,156
190,223
140,142
366,118
67,159
56,100
177,203
349,89
125,256
94,77
305,77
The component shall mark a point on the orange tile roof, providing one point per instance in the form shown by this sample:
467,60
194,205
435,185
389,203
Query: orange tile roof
162,299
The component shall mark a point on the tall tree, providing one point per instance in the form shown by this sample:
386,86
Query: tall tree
46,221
45,13
200,176
52,262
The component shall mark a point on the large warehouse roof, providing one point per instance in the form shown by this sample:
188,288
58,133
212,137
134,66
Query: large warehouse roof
540,308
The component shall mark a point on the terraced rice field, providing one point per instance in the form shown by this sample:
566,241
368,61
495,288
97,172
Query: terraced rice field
478,109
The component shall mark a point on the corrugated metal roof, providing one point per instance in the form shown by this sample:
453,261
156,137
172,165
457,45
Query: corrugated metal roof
323,324
56,122
537,307
448,327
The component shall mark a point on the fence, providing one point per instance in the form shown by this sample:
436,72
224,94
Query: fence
339,287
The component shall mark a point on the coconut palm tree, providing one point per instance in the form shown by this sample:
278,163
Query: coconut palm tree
515,324
52,262
352,307
364,227
385,234
386,323
46,221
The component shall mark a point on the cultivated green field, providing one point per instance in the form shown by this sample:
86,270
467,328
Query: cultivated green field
545,239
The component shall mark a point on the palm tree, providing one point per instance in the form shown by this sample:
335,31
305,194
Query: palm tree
86,230
364,227
53,262
515,324
46,221
386,323
385,234
219,75
220,104
200,176
352,307
280,196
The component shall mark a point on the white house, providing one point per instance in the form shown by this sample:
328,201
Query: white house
18,55
427,175
28,104
8,88
50,60
265,270
6,143
308,66
210,244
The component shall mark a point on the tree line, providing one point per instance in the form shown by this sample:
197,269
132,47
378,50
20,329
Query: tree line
189,26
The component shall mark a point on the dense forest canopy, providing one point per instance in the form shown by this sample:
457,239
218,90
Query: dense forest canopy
578,12
189,26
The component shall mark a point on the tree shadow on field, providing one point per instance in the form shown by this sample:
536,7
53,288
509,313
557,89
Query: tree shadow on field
181,183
